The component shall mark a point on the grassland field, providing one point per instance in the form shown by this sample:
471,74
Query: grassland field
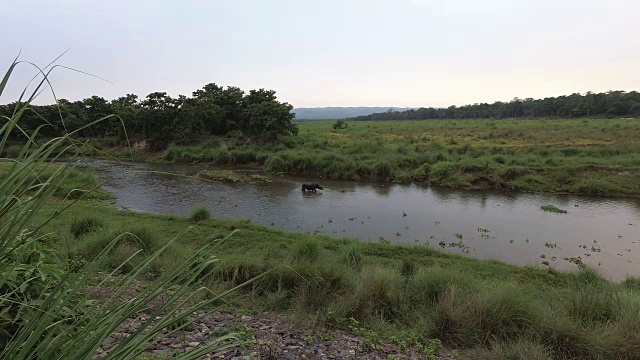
586,156
404,294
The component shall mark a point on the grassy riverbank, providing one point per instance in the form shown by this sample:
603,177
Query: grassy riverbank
392,293
406,295
588,156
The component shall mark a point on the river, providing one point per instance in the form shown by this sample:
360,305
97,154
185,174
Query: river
511,227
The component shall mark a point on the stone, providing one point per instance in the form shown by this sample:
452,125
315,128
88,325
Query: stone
163,352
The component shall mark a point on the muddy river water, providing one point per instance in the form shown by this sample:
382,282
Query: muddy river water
511,227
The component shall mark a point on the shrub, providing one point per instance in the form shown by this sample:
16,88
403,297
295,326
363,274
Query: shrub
306,250
275,163
200,214
592,304
244,156
23,293
277,300
429,284
467,319
352,254
632,283
84,226
407,268
140,237
442,171
564,175
499,159
518,349
383,170
377,293
123,257
339,124
595,186
512,172
422,172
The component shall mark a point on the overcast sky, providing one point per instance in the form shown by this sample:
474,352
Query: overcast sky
330,52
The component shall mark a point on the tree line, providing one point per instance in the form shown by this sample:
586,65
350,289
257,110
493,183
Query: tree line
606,104
212,110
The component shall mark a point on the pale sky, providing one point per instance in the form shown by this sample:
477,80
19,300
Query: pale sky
329,52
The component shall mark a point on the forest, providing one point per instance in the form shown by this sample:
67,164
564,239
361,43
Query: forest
212,110
218,111
606,104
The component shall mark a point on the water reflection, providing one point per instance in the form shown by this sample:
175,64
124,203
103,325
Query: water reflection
498,225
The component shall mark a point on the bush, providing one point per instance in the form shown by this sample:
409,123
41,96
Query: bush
595,186
519,349
200,214
123,257
277,300
466,319
442,171
512,172
422,172
352,254
23,293
383,170
429,284
244,156
632,283
564,175
275,164
339,124
377,293
592,304
84,226
306,250
141,237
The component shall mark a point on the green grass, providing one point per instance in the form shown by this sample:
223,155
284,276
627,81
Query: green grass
231,176
77,183
600,157
221,175
84,225
553,209
200,214
484,308
45,311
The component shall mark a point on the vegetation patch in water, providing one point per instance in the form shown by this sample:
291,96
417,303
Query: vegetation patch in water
231,176
260,178
221,175
553,209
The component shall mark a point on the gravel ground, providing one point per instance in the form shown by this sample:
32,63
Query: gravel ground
266,336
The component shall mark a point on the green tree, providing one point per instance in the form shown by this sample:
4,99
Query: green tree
269,119
159,113
198,116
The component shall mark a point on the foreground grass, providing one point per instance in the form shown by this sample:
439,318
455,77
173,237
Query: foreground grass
589,156
408,295
77,183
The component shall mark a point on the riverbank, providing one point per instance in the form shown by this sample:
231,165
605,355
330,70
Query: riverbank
505,226
581,156
407,295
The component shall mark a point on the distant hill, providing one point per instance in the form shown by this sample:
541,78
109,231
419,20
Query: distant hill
340,112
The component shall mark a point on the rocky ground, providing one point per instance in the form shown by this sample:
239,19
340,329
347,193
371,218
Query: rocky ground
266,336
